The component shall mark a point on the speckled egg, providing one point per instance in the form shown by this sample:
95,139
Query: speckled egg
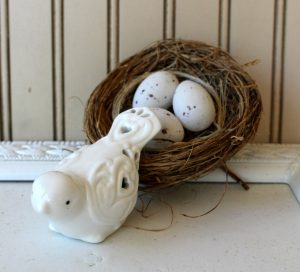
156,90
193,106
171,130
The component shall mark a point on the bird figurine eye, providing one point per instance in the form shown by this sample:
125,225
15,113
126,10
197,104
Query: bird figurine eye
125,183
68,202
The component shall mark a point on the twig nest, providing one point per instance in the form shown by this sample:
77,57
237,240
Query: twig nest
235,96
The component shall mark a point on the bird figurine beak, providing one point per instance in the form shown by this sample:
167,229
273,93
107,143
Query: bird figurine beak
44,207
40,203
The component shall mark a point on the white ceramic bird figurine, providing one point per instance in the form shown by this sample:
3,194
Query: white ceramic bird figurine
93,190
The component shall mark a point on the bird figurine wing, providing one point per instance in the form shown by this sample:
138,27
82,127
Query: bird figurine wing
114,187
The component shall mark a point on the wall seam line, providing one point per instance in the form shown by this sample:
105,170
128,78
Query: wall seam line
164,19
54,97
228,26
117,18
62,64
1,82
108,35
8,68
273,72
282,69
220,18
174,19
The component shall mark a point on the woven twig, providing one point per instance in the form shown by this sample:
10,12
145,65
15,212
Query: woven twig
235,94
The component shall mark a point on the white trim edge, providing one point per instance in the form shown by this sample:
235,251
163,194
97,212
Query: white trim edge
255,163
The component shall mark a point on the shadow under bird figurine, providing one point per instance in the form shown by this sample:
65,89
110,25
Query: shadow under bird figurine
92,191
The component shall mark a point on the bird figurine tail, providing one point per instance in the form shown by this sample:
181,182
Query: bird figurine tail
136,126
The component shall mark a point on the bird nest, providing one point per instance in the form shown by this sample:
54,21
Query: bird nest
235,94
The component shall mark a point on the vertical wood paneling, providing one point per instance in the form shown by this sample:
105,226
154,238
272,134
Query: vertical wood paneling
113,33
251,37
224,24
277,71
1,106
5,86
141,22
291,99
85,42
54,52
198,20
2,14
58,69
169,23
31,69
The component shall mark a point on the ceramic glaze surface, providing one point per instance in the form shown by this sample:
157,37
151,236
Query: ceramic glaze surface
93,190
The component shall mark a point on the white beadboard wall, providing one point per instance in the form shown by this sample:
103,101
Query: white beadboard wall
54,52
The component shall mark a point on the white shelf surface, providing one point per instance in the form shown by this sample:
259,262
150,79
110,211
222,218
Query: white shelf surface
255,230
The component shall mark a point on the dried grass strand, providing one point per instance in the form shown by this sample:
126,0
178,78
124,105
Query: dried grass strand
159,229
213,208
216,205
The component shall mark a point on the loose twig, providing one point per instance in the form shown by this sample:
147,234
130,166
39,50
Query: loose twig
235,177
